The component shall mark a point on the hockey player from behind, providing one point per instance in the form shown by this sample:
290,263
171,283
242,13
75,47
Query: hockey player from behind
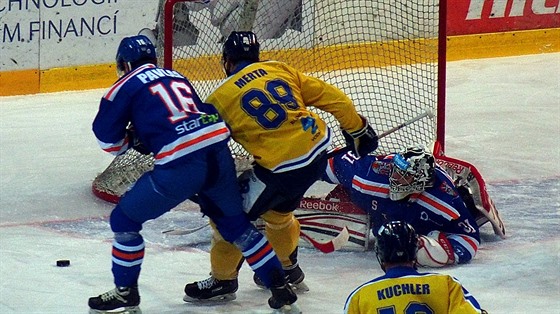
265,104
411,187
403,289
189,142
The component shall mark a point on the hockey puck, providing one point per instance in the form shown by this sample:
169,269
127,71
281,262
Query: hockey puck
63,263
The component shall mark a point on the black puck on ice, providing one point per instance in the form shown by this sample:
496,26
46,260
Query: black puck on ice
63,263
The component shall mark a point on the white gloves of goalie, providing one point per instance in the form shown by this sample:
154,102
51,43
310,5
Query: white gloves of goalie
435,250
362,141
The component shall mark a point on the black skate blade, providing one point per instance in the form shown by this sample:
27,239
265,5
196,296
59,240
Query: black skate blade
121,310
217,299
299,287
288,309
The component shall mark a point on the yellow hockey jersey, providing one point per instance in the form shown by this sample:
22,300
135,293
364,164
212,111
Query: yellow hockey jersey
265,104
402,290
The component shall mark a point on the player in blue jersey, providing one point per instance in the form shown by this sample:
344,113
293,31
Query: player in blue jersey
189,142
267,104
411,187
403,289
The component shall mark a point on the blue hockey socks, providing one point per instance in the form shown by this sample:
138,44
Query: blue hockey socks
261,257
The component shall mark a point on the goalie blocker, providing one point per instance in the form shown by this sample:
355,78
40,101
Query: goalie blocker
322,219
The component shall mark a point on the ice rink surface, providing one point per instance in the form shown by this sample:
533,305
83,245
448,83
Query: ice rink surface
503,116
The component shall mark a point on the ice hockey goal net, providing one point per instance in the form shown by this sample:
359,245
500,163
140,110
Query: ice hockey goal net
387,55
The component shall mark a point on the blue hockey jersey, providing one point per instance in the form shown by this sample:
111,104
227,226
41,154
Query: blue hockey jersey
439,207
167,114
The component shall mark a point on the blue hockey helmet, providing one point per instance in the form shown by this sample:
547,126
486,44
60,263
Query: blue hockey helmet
396,242
133,52
240,46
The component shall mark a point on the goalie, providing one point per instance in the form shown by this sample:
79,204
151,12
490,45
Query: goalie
411,187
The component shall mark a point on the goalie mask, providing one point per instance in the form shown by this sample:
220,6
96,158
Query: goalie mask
412,172
133,52
240,46
396,242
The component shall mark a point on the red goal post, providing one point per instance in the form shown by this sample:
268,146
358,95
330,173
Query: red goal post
388,56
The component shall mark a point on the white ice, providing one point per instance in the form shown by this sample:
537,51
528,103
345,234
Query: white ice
503,116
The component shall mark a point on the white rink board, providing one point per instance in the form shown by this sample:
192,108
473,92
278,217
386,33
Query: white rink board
61,33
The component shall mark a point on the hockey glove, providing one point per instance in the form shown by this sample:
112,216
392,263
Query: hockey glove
362,141
435,250
134,142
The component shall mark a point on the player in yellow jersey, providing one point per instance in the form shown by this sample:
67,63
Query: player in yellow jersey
403,290
265,104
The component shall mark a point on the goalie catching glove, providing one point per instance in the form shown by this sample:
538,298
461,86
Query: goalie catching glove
435,250
362,141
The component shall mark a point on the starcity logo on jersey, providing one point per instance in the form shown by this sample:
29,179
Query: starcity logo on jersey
193,124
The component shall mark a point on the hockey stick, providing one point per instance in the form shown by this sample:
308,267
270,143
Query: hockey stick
185,231
427,113
329,246
325,247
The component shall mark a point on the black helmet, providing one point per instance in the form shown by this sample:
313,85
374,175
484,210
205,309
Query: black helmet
241,46
133,52
397,242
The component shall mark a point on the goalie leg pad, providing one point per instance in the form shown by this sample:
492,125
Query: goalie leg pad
435,250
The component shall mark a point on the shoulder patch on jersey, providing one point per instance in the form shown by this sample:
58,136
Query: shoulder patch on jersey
446,188
381,167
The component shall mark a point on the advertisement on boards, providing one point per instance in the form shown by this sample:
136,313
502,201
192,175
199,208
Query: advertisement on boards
54,33
465,17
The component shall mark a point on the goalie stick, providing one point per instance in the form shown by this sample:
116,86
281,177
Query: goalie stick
325,247
342,238
331,245
427,113
184,231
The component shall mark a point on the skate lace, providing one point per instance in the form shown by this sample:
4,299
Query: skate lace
110,295
206,283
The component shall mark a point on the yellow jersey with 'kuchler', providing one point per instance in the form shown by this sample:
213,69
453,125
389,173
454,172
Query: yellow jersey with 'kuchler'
402,290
